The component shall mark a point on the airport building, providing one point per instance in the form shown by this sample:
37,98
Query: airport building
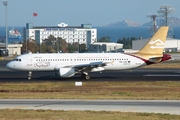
83,34
171,45
105,47
13,49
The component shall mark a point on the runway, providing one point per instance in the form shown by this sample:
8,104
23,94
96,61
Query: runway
148,106
140,74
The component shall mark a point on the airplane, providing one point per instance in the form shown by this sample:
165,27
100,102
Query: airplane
67,65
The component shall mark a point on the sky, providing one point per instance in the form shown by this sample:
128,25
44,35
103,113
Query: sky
77,12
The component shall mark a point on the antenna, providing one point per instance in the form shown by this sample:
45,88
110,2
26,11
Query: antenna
153,27
164,13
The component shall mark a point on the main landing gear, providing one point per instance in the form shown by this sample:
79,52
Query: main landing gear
29,75
85,76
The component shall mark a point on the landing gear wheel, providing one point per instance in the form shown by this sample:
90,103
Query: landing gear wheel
29,75
87,77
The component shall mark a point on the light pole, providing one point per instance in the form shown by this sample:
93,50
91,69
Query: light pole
5,3
78,46
57,45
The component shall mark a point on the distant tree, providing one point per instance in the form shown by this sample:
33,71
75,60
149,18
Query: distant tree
29,46
133,38
72,47
2,40
61,44
52,45
47,45
49,41
76,47
105,39
44,48
82,48
127,42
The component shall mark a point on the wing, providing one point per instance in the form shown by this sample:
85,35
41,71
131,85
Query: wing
88,67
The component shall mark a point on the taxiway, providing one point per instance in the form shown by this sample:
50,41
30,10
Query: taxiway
145,106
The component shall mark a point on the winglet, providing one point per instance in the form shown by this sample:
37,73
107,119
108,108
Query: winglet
156,44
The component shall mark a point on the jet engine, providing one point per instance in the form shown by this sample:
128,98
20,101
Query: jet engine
65,72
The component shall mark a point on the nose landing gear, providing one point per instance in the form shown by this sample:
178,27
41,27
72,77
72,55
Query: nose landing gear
29,75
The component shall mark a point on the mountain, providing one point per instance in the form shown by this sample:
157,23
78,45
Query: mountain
124,23
173,21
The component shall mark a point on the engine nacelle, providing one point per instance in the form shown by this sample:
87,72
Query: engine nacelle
97,69
65,72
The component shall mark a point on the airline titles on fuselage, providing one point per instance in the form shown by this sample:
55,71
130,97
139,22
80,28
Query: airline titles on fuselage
41,62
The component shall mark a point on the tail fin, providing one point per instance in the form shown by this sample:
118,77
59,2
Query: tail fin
156,44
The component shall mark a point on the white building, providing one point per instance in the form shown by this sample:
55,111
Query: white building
171,45
105,47
14,49
83,34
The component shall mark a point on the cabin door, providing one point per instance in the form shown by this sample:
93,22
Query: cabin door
29,60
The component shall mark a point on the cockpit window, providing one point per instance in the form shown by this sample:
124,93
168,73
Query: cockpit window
17,60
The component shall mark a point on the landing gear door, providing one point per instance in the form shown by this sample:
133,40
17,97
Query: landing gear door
29,60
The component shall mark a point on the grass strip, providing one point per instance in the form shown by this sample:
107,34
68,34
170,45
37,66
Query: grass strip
16,114
159,90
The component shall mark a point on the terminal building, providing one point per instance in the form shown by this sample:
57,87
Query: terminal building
83,34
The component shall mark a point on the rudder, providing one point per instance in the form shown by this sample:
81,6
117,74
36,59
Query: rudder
156,44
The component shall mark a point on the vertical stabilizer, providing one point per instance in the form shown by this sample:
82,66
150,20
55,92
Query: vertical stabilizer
155,45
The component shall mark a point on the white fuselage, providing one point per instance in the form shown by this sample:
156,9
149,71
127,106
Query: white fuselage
49,62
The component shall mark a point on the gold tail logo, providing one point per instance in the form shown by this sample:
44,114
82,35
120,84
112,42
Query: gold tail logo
155,46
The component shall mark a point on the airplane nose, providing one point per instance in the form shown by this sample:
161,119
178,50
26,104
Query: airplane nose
9,65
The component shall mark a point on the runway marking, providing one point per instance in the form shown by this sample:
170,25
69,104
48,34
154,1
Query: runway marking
170,75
